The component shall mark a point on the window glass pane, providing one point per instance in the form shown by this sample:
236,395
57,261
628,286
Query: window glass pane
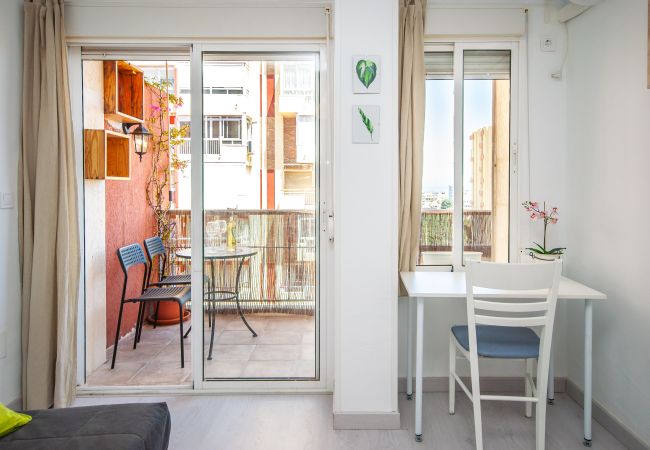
305,139
185,125
232,129
486,155
438,162
213,129
251,179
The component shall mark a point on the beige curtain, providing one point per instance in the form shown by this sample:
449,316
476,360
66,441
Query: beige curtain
411,129
49,234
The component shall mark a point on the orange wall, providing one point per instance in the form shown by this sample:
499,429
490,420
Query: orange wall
128,220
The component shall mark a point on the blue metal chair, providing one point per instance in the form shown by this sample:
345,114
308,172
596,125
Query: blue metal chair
154,247
132,256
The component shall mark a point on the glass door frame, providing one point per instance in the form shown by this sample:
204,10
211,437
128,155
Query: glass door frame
517,107
323,307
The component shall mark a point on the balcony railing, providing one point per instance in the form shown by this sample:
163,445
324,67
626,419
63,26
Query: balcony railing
211,146
436,231
281,277
217,150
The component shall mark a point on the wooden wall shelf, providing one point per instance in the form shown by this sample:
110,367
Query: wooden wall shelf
123,92
107,155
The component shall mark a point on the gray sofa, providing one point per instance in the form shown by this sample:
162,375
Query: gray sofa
134,426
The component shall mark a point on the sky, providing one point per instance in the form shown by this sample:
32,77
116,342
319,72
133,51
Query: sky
438,158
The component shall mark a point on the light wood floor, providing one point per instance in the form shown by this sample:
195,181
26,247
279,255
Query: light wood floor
288,422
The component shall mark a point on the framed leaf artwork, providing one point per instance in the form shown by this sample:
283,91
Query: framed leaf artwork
365,124
366,77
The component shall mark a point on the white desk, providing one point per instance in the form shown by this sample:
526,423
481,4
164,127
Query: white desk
437,286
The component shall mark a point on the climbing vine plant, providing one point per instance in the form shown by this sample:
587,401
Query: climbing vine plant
164,139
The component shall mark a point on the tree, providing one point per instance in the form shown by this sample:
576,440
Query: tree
446,204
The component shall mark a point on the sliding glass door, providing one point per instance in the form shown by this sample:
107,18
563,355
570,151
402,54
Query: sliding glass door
255,249
230,171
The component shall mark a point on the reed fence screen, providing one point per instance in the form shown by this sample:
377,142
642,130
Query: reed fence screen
436,231
280,277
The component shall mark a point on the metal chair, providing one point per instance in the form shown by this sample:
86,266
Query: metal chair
131,256
499,328
154,247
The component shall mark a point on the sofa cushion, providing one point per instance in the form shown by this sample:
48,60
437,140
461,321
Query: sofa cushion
134,426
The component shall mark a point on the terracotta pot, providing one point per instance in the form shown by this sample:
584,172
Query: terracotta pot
168,314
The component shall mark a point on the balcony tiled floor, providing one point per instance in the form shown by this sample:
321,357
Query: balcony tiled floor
283,348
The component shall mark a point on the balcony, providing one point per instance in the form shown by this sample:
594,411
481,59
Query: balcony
436,234
215,150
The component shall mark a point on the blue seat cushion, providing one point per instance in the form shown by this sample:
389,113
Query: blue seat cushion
500,342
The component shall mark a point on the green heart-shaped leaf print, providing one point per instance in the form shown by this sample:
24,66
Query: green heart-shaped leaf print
366,71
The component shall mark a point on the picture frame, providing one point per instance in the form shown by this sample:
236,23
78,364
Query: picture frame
365,124
366,74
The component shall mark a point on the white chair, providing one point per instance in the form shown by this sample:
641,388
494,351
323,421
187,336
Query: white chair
498,328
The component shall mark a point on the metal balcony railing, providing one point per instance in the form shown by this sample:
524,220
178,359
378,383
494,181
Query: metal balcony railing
211,146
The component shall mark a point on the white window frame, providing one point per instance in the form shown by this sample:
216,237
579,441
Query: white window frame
517,107
221,119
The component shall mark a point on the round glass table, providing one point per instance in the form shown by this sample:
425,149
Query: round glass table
222,294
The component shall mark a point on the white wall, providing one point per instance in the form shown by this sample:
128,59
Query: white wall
215,19
366,216
547,131
11,53
608,186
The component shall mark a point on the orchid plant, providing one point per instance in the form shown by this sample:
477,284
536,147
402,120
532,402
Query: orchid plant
549,217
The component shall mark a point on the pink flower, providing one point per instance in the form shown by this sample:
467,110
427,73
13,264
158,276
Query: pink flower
155,108
533,216
542,214
533,204
555,209
554,220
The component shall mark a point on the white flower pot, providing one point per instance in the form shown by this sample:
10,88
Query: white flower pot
541,257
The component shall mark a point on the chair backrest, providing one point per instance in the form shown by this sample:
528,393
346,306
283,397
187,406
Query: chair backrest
492,286
130,256
154,247
513,295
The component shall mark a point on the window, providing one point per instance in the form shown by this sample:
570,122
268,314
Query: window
297,79
227,129
160,73
305,138
231,130
220,90
467,175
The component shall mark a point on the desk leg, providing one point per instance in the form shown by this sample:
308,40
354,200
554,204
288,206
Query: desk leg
409,350
418,370
588,368
550,391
